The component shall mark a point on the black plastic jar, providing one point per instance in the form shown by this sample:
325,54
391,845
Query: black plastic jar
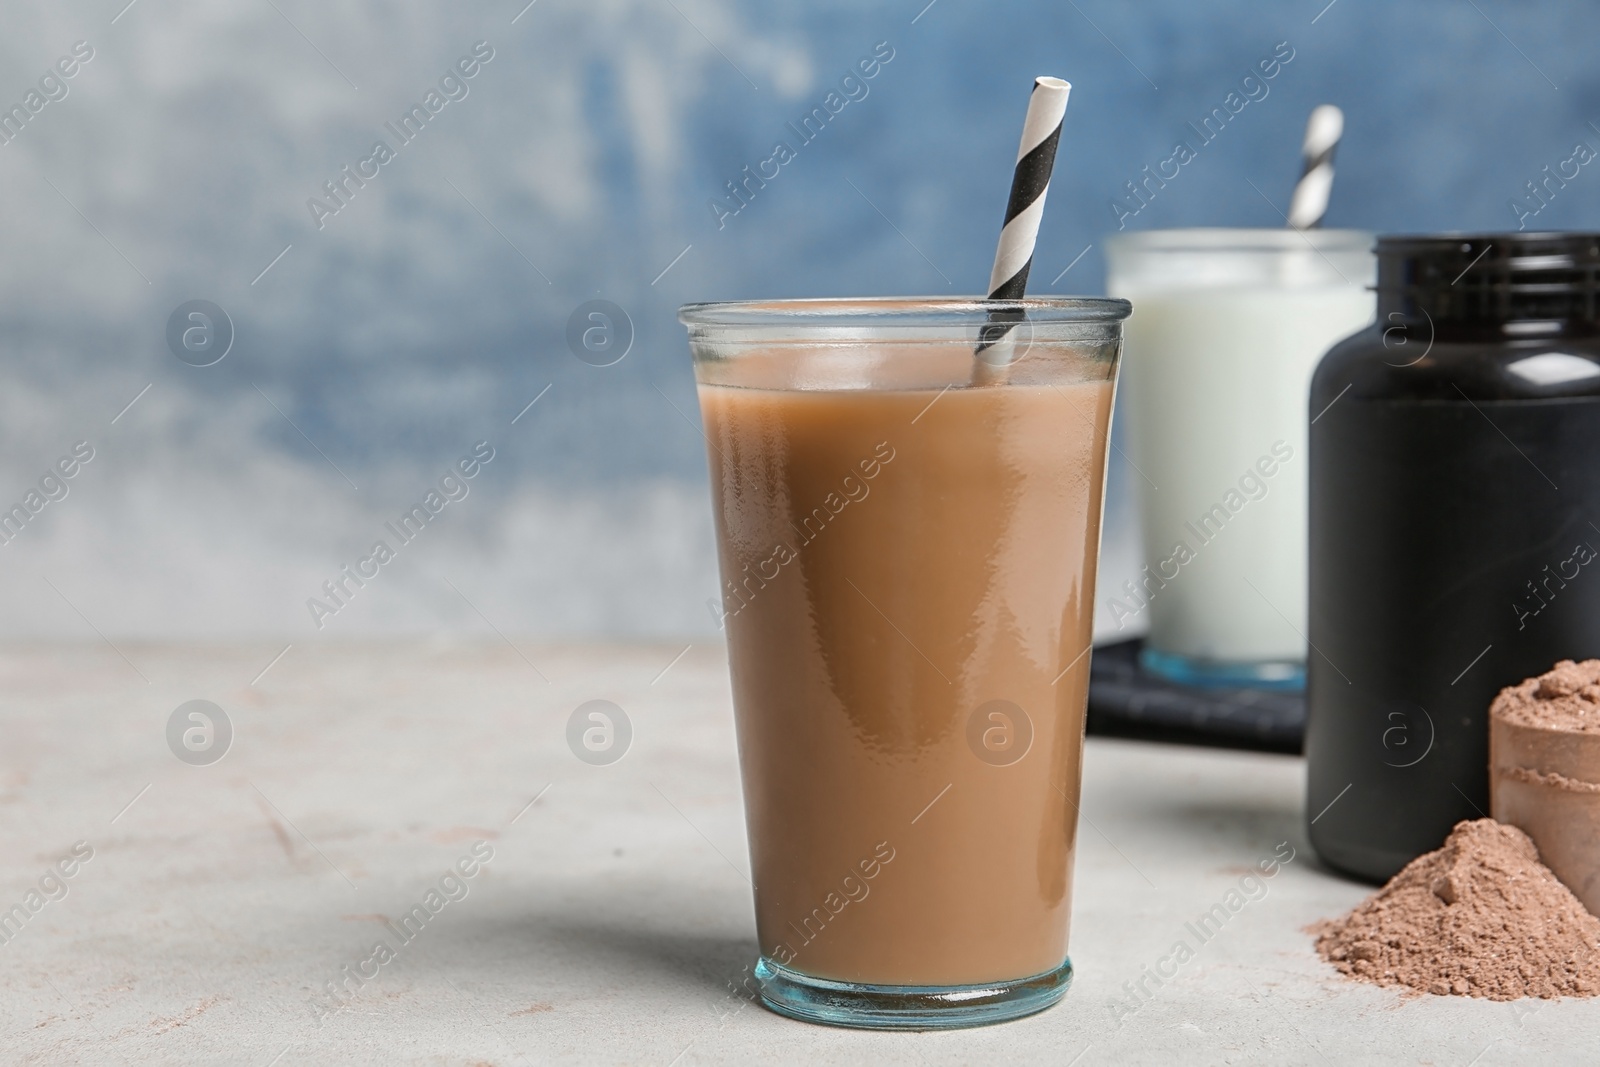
1454,525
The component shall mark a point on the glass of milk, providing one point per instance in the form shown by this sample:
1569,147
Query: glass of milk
1227,328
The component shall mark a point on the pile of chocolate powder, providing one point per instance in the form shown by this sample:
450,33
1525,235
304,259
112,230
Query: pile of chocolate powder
1480,917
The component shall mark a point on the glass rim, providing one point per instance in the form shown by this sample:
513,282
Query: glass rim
1242,240
917,312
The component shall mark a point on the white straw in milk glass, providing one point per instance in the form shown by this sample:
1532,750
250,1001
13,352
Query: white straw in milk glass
1310,203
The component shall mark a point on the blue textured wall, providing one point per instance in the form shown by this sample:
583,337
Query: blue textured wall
582,159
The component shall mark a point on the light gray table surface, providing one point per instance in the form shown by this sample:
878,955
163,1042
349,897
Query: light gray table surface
614,919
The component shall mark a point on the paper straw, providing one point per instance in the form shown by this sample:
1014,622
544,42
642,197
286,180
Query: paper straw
1030,183
1310,203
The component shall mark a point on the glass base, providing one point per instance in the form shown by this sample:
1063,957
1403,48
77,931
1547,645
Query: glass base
1185,670
906,1007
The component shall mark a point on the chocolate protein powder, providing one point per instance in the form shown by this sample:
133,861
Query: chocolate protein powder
1480,917
1566,698
1544,770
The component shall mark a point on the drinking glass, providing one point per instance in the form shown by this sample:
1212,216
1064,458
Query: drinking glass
1228,325
907,535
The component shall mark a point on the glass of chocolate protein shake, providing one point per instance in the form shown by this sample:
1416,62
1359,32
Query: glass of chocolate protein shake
908,528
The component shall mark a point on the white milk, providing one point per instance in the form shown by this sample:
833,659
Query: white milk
1227,327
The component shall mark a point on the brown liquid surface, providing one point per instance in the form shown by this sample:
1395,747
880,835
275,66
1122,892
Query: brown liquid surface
893,559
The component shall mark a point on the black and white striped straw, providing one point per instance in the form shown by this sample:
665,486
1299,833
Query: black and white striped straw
1030,182
1310,203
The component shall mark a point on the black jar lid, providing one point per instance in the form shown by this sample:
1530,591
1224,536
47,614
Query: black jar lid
1491,277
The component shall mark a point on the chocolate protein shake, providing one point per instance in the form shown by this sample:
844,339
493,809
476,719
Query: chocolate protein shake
908,567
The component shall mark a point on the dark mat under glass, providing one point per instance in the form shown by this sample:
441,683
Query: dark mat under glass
1126,701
